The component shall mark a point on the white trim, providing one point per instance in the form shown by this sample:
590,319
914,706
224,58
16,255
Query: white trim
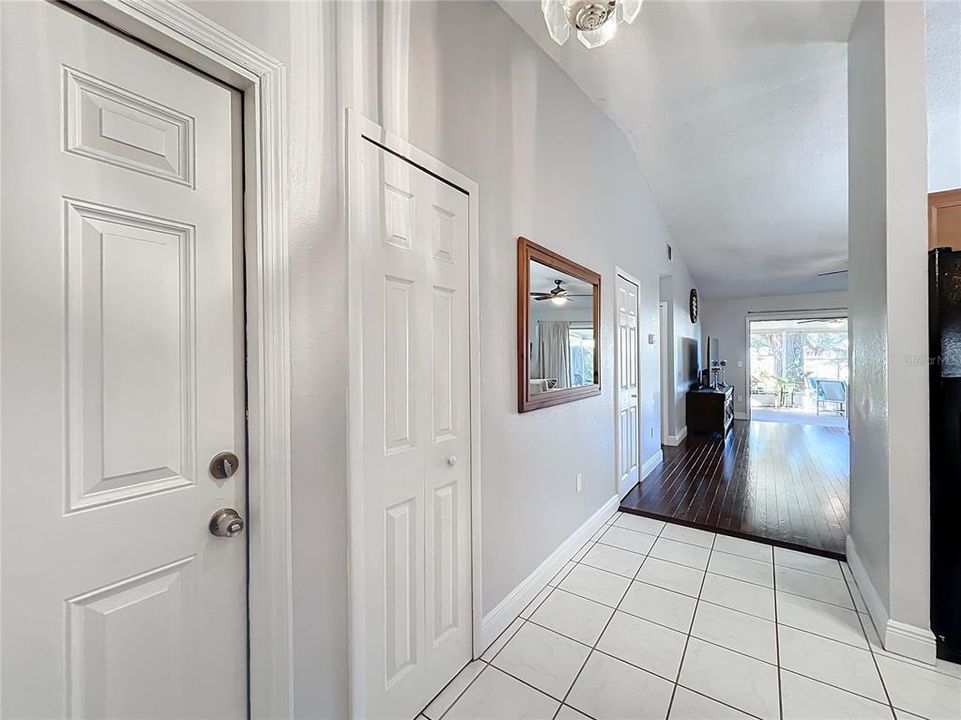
664,363
508,609
675,440
620,272
911,641
190,37
897,637
876,606
359,127
747,369
652,462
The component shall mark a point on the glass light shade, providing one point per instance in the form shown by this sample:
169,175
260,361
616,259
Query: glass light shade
628,10
595,38
559,300
555,17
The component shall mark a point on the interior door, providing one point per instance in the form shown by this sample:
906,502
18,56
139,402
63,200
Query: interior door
122,377
415,482
628,416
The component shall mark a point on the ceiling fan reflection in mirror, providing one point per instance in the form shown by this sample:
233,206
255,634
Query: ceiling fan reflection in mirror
558,295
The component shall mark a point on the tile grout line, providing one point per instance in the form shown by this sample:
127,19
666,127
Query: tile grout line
733,651
884,685
617,608
594,647
786,592
777,623
687,640
524,621
777,638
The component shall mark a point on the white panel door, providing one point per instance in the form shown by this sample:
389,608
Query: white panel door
122,376
416,407
628,416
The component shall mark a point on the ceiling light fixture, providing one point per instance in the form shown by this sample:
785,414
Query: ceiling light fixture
559,300
594,21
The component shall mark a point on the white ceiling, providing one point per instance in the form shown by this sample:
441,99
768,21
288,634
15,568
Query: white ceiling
944,93
737,112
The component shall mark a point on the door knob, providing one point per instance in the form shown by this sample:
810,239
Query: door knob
226,522
452,461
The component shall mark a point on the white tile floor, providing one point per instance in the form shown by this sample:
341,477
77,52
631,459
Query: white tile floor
635,628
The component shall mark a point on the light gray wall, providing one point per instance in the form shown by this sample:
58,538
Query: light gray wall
867,290
943,21
907,313
487,101
726,320
463,82
888,306
685,359
301,35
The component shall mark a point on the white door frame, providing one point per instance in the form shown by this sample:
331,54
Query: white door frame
619,272
190,37
752,315
360,130
664,359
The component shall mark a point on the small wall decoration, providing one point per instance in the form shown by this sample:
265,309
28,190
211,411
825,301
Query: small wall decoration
693,305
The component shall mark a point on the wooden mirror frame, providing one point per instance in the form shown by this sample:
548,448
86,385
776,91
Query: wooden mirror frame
526,252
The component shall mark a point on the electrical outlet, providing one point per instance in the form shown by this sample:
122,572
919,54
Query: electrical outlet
580,481
740,363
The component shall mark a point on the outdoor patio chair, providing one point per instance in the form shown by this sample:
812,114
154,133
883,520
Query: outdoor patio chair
832,393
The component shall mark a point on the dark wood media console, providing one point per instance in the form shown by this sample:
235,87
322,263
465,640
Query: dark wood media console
710,410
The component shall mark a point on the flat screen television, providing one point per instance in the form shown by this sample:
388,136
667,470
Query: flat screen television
713,352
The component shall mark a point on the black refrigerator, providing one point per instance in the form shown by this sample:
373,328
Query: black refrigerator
944,308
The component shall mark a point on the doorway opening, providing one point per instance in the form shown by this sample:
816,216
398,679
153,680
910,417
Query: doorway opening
798,370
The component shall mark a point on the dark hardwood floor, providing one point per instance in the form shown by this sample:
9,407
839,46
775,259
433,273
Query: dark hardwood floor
781,483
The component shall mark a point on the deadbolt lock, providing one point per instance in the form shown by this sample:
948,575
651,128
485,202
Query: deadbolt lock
224,465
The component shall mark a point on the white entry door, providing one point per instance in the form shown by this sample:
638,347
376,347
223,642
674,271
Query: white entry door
415,481
122,377
628,416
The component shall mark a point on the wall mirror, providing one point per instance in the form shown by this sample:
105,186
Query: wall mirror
558,321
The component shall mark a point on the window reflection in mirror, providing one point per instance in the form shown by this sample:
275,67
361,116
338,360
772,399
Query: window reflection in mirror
558,313
561,326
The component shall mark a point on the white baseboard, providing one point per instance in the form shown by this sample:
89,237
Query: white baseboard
911,641
497,620
652,462
876,607
675,440
897,637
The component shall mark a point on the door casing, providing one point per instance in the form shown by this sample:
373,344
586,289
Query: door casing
188,36
618,272
663,337
360,130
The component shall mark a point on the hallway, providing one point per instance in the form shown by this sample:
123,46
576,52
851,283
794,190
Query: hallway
784,483
655,620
